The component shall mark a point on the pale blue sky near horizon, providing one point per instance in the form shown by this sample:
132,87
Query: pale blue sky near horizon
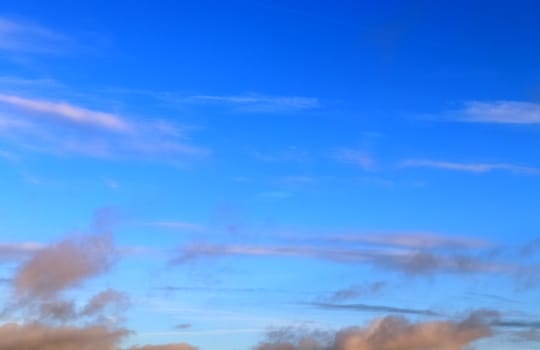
269,164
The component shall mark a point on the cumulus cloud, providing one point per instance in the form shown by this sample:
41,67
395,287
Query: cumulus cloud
104,300
43,337
38,315
63,265
61,310
391,333
296,338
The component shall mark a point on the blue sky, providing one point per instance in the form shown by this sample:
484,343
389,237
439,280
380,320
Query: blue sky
264,174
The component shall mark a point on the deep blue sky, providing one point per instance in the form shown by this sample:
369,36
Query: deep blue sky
268,164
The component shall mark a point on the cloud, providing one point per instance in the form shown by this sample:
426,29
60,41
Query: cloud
498,112
257,102
17,251
40,336
532,335
63,265
398,333
106,299
388,333
182,326
23,37
355,291
105,219
290,154
355,157
63,128
535,324
476,168
42,311
181,346
530,248
408,261
375,308
201,250
427,263
62,311
296,337
411,240
69,113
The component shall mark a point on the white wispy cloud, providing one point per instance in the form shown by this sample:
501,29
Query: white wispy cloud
50,126
69,113
24,37
355,157
469,167
507,112
411,240
495,112
252,102
258,102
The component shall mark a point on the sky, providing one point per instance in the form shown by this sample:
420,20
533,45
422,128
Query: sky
269,175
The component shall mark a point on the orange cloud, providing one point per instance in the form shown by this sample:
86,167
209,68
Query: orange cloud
63,265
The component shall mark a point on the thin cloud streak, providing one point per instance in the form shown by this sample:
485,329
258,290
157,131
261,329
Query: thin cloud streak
22,37
476,168
375,308
500,112
182,326
411,240
257,102
61,128
69,113
355,291
355,157
410,262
